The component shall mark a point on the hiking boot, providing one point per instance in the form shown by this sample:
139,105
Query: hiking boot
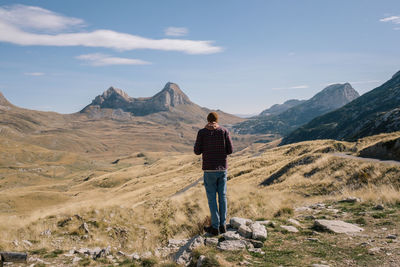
222,229
211,230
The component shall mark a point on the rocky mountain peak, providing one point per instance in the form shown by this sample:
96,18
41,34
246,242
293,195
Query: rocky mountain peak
335,96
171,95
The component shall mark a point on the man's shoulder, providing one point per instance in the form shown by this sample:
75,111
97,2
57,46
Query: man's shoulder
223,129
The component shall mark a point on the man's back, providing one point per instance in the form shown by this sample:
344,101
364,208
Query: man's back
214,143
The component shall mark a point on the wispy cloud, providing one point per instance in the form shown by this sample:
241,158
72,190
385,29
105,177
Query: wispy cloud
176,31
12,30
34,73
353,83
393,19
292,87
98,59
37,18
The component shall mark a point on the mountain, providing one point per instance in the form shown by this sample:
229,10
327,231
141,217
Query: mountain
279,108
168,98
330,98
377,111
115,124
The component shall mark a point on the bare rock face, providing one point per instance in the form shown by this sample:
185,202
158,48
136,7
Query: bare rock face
337,226
4,102
169,97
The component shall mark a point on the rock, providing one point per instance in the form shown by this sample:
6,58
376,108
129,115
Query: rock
255,243
319,265
84,227
177,243
235,222
134,256
313,239
318,206
211,241
302,209
231,235
350,200
184,254
121,253
245,231
232,245
337,226
27,243
391,237
201,260
374,250
294,222
290,228
257,250
15,243
258,231
46,232
146,255
379,207
75,260
265,222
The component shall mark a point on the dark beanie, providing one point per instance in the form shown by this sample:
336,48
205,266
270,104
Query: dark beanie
213,116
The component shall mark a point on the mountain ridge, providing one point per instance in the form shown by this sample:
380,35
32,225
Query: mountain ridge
330,98
372,113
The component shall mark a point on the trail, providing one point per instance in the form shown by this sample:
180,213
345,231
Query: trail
186,188
342,155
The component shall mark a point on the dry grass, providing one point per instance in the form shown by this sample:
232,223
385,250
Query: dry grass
132,205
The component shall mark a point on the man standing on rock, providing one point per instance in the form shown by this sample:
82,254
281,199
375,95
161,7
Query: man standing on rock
215,144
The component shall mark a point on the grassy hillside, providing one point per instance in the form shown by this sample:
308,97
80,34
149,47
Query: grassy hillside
137,204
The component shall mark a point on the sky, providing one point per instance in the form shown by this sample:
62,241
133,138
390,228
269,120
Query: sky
235,55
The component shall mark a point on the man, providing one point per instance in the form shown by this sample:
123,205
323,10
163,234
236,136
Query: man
214,142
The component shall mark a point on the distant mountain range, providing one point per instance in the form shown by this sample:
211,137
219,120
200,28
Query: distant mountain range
282,122
377,111
115,123
279,108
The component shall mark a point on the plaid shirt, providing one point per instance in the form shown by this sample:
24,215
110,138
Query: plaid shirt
215,145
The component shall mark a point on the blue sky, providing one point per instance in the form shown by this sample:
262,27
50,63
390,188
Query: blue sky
238,56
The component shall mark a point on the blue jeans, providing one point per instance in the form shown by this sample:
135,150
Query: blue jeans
215,182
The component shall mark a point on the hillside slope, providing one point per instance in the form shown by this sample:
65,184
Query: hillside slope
374,112
330,98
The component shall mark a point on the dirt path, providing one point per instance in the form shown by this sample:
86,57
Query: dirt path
186,188
343,155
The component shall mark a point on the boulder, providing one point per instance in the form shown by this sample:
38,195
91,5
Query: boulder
184,254
294,222
337,226
235,222
233,245
230,235
211,241
258,231
350,200
245,231
290,228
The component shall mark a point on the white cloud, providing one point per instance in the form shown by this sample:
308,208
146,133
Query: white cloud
34,73
393,19
11,31
176,31
98,59
37,18
292,87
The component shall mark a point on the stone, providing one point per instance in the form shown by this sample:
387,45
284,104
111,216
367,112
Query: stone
255,243
350,200
46,232
211,241
312,239
257,250
290,228
319,265
146,255
302,209
374,250
265,222
379,207
391,236
235,222
134,256
75,260
231,235
232,245
184,254
84,227
245,231
201,261
258,231
294,222
336,226
27,243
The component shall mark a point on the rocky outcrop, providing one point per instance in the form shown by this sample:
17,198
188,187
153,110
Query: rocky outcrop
386,150
337,226
169,97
